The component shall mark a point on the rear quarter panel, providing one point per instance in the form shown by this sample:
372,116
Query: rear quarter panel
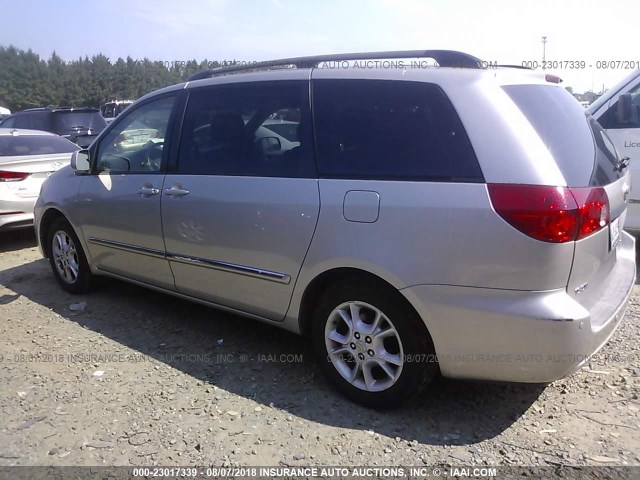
430,234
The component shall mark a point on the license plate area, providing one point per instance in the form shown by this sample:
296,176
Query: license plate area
614,233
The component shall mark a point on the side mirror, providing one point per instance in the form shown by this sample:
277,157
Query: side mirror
624,111
115,163
269,144
80,161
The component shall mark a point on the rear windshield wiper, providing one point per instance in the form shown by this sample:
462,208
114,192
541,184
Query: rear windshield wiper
622,164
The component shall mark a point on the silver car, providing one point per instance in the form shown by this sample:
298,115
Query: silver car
27,158
456,220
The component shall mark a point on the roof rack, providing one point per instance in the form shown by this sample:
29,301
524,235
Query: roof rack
445,58
65,108
519,67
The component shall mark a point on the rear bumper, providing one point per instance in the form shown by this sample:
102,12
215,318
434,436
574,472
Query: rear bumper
15,221
15,212
516,336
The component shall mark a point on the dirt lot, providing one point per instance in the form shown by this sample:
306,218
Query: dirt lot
175,383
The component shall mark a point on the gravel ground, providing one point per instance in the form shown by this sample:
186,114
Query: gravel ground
174,383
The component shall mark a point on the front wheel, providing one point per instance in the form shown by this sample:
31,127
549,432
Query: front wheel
372,346
67,259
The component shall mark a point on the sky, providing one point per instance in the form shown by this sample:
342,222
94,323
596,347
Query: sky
506,31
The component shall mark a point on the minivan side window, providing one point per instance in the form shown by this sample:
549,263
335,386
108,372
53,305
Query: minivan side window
380,129
32,120
9,122
23,121
250,129
39,121
609,119
136,144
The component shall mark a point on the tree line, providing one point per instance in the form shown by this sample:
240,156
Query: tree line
28,81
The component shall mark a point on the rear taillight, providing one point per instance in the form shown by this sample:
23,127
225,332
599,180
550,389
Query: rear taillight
594,209
12,176
551,214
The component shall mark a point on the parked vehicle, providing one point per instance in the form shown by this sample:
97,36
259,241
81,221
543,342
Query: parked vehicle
618,111
111,110
4,113
455,220
77,124
136,136
27,158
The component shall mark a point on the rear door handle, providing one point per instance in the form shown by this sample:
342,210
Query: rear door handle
176,191
148,191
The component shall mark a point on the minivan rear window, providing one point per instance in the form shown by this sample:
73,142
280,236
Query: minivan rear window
381,129
65,121
581,149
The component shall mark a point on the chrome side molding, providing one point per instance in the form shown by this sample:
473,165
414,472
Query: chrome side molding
200,262
231,267
127,247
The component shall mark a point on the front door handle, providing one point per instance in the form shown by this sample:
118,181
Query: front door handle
148,191
176,191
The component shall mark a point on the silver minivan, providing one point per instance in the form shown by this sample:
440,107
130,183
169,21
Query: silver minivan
456,219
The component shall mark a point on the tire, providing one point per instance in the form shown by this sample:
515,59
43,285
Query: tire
388,372
67,258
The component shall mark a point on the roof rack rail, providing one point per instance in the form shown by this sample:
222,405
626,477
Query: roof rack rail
445,58
519,67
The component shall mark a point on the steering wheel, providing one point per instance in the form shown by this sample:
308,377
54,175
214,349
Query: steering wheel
152,155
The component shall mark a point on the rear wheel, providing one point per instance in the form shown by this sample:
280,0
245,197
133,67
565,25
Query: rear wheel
371,345
67,259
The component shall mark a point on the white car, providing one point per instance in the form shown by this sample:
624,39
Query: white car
618,111
27,158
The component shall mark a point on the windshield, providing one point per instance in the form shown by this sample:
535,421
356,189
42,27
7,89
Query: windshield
34,145
120,108
612,92
108,110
